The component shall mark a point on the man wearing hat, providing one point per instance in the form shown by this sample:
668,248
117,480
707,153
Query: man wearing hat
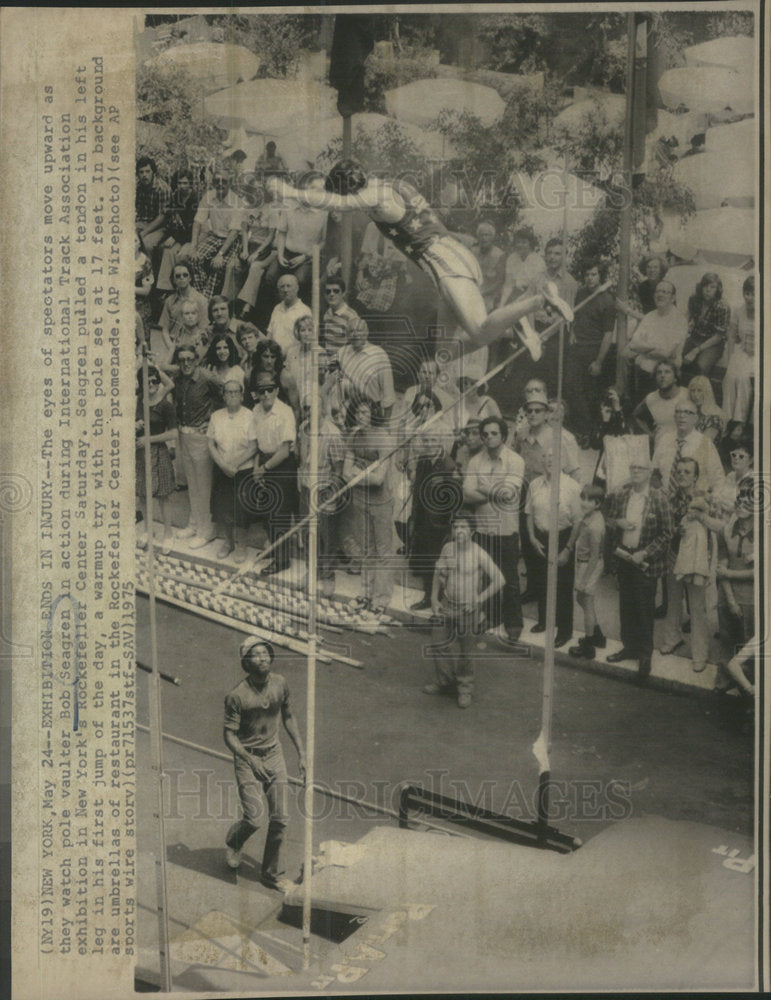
534,442
251,732
639,522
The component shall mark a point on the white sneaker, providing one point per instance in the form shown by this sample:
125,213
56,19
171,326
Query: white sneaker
189,532
239,555
551,293
199,541
499,631
232,857
530,338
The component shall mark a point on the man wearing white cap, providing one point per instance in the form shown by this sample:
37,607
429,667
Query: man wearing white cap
251,732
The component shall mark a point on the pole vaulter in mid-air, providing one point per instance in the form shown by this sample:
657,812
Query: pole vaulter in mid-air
405,218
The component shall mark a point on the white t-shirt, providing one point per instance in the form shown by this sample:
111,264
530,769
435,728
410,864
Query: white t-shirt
232,432
282,321
273,427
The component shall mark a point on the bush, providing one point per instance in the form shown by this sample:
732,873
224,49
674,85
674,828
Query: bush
386,74
168,96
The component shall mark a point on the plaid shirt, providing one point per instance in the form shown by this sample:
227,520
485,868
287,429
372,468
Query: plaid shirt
151,201
655,532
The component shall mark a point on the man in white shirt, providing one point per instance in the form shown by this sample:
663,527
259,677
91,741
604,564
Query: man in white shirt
275,468
491,485
687,442
286,313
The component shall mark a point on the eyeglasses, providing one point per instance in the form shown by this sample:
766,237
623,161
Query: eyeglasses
262,389
487,434
534,409
220,183
686,413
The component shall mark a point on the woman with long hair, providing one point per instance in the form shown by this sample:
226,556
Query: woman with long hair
221,360
708,319
268,358
712,420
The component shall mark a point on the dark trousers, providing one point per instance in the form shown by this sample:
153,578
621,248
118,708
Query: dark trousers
636,605
581,389
505,606
565,575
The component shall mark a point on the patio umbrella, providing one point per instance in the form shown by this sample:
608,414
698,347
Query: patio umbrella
734,52
544,195
720,235
271,107
422,101
213,64
719,178
613,106
730,139
712,89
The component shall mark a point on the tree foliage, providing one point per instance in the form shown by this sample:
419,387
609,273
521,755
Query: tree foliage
168,96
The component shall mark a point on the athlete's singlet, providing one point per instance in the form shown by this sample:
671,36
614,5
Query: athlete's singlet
418,227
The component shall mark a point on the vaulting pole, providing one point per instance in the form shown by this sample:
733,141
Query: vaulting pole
346,224
156,725
313,521
625,229
543,743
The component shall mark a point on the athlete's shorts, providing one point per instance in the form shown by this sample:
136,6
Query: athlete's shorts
447,258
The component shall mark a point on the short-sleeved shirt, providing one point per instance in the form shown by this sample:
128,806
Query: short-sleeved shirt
533,449
253,715
662,410
282,321
274,427
261,222
232,432
503,475
337,325
195,396
539,503
222,215
367,375
665,334
594,319
304,228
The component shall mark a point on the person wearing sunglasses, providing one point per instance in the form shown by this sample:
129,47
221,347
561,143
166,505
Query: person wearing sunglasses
339,318
219,209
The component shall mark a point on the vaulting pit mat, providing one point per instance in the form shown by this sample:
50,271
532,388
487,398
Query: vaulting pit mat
646,904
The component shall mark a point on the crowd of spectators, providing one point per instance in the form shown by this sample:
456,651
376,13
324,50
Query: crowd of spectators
223,286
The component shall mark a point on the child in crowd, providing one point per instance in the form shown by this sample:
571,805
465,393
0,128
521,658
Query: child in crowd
590,543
